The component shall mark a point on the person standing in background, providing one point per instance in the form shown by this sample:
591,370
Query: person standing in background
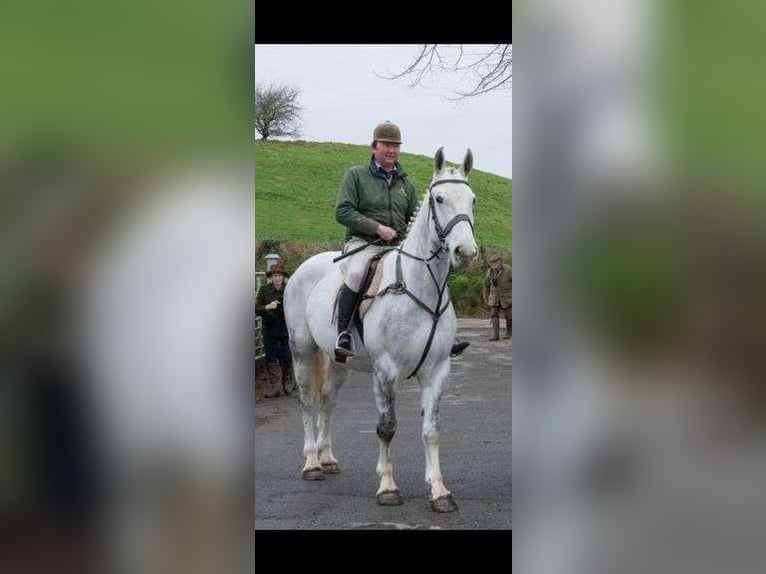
497,296
268,304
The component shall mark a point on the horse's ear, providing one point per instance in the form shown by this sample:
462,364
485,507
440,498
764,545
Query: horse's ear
467,163
439,160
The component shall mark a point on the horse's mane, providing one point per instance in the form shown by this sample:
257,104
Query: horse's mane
415,214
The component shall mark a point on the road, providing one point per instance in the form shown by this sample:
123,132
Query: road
475,452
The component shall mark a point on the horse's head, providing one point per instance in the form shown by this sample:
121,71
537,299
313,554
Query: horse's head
451,202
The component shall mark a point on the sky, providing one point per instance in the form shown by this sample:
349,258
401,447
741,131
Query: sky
344,100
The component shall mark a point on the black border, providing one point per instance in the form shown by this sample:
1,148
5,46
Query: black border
344,22
359,540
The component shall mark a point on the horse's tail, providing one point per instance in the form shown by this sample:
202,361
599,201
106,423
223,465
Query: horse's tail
319,375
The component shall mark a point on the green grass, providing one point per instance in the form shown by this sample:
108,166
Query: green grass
296,185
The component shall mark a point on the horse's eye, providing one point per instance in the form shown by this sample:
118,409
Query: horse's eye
474,201
440,199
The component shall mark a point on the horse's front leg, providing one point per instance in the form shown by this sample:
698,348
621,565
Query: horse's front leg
432,388
384,389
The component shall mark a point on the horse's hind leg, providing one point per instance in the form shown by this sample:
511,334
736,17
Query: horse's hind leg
432,388
336,376
383,386
307,366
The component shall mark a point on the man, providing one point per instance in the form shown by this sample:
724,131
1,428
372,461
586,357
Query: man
497,296
268,304
375,203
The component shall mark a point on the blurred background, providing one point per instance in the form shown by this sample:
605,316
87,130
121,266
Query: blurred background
126,186
640,267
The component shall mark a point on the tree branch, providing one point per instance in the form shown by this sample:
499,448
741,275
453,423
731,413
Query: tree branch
492,68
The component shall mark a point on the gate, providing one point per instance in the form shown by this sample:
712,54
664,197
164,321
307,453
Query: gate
260,353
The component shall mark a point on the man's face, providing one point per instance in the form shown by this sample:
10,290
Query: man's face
277,279
496,265
386,154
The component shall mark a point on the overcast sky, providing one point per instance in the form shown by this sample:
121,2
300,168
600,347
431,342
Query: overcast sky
343,100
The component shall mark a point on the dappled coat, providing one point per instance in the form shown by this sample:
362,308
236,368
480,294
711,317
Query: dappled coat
497,287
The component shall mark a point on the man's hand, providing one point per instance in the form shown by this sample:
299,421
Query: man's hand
271,306
385,233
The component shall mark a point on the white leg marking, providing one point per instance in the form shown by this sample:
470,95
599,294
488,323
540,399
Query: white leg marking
431,391
385,469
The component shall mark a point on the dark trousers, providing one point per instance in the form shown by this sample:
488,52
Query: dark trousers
277,349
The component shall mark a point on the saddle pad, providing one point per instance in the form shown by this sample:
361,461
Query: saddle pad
372,290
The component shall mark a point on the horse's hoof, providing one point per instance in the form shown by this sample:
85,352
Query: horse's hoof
390,498
444,504
330,468
313,474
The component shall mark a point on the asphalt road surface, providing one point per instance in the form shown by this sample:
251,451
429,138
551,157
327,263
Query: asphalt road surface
475,452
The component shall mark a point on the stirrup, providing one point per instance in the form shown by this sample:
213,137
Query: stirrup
341,353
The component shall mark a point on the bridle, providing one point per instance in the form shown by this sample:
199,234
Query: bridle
443,232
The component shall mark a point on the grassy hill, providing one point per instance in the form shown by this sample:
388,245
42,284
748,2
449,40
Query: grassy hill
296,185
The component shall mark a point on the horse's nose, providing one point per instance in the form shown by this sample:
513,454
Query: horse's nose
466,254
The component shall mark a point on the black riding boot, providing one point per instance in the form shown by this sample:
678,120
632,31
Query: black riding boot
346,304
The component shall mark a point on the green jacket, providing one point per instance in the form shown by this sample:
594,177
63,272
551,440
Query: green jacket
497,287
365,200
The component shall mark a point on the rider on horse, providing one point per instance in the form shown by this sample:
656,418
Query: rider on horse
375,203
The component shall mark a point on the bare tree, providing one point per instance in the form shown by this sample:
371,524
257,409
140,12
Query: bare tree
489,68
277,112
